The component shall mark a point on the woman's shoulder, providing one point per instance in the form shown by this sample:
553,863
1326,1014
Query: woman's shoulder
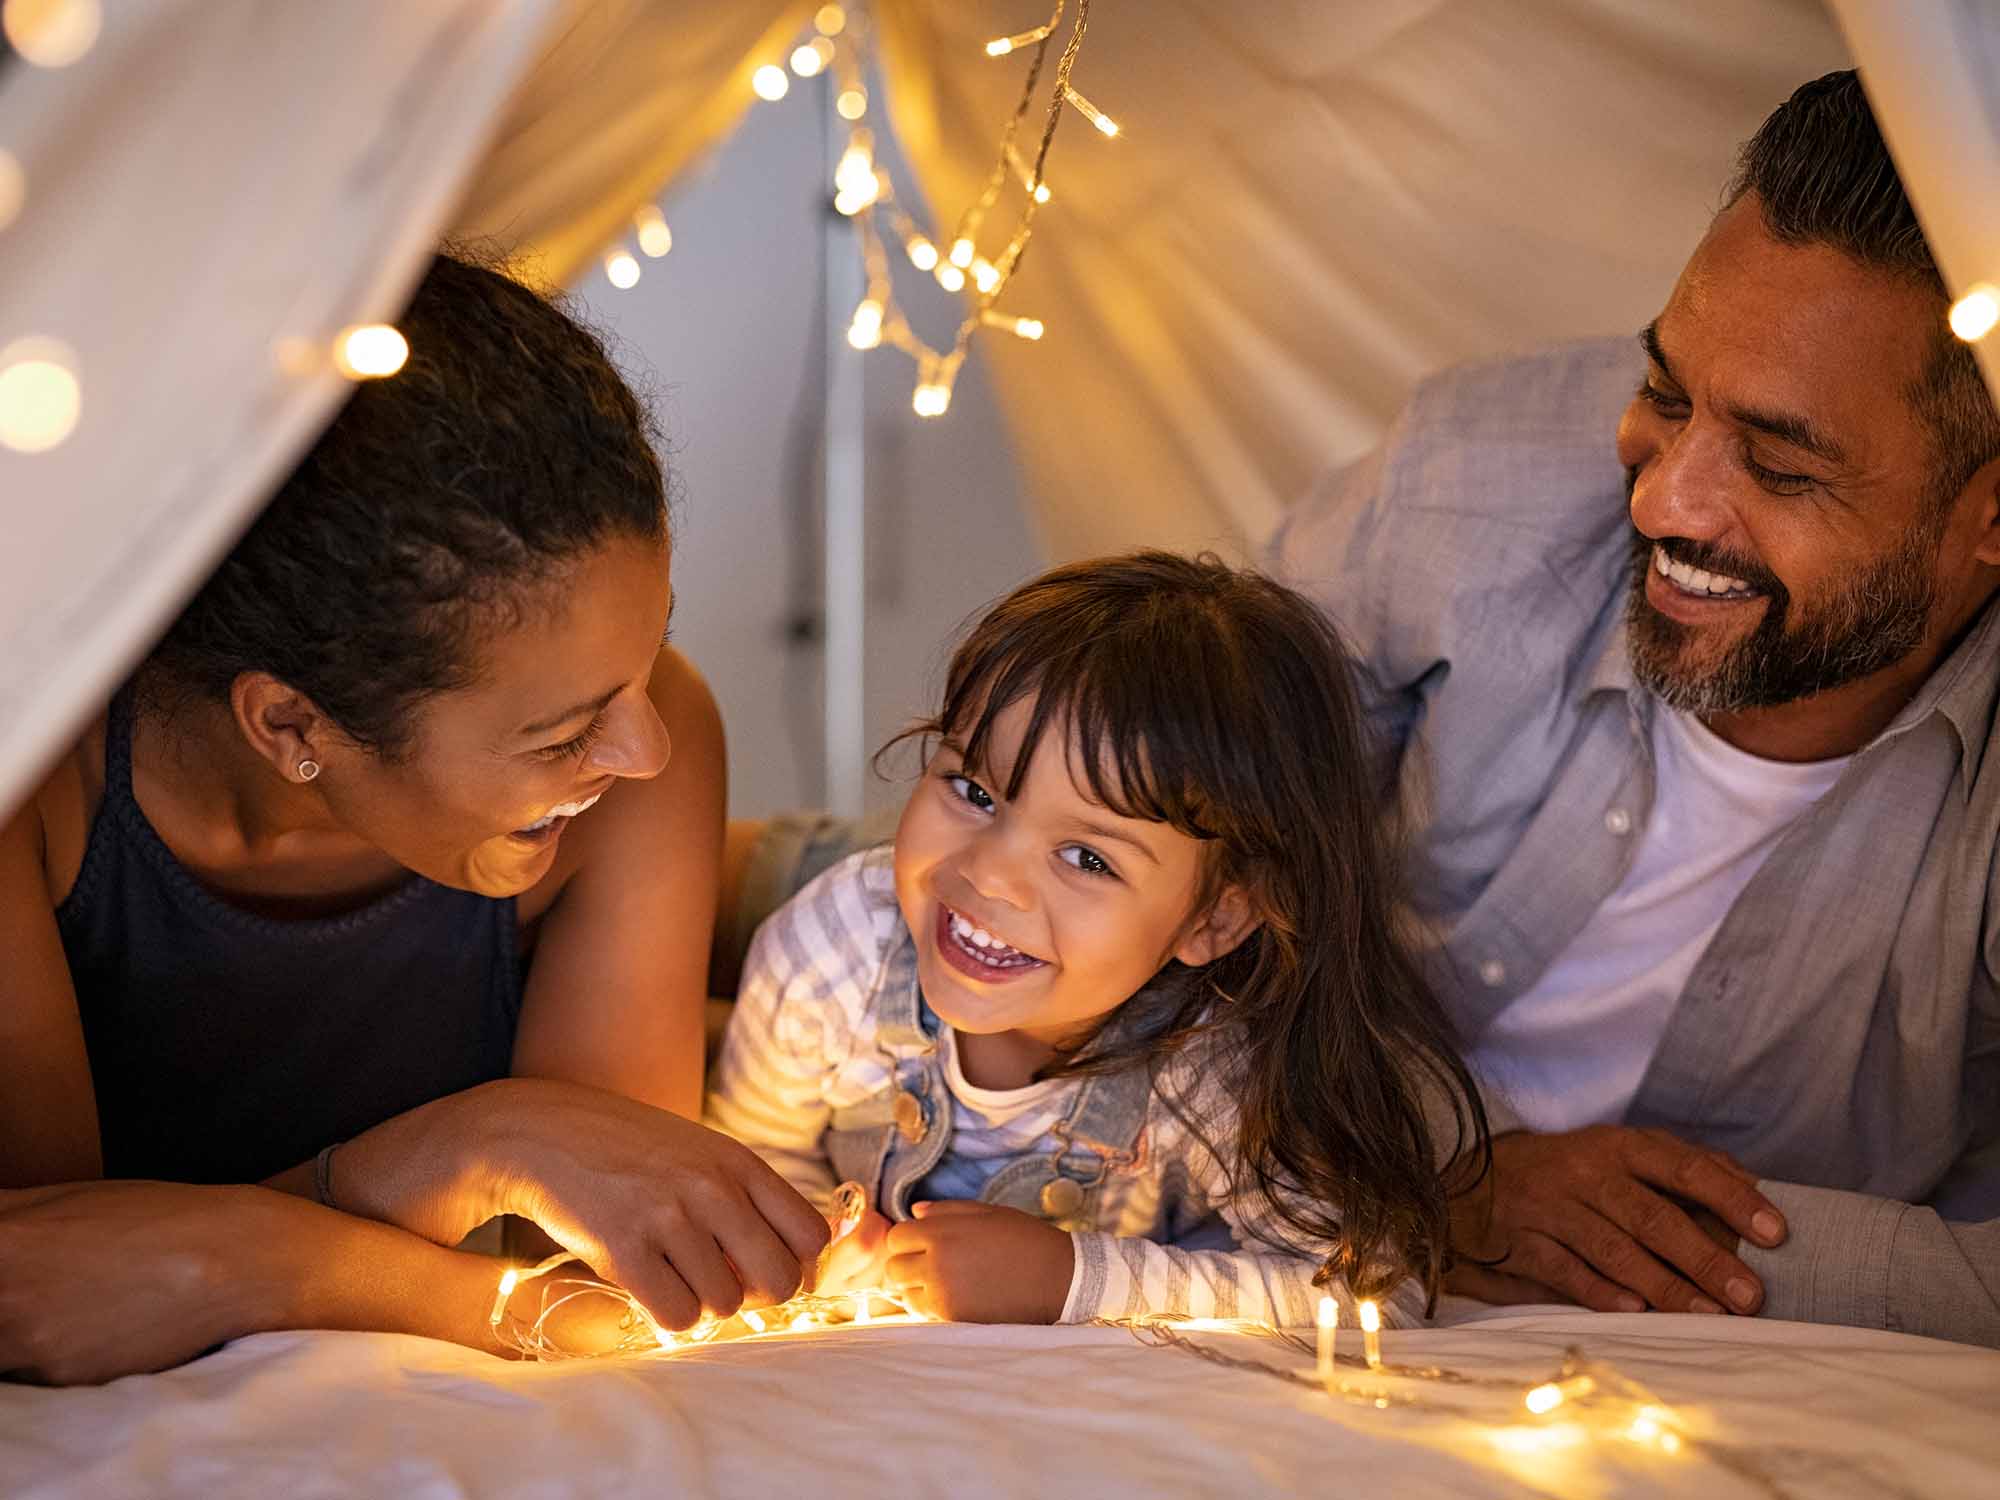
57,815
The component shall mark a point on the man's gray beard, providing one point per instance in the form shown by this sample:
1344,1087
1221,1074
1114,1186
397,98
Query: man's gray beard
1876,620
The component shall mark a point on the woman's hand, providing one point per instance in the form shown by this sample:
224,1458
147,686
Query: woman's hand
681,1216
103,1279
979,1263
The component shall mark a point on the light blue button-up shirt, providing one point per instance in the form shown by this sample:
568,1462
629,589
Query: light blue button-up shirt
1841,1032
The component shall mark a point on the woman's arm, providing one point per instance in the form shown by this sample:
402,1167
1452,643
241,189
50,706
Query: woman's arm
104,1279
616,993
48,1111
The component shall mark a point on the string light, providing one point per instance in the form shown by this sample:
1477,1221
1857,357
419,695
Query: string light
950,277
985,275
852,104
370,351
962,251
923,254
1024,328
770,83
1002,45
1974,315
655,238
51,33
830,20
806,60
41,398
865,330
1370,1317
1090,111
621,269
13,188
1329,1327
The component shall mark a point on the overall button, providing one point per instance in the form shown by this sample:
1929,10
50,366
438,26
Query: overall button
1493,973
1618,821
908,1112
1062,1199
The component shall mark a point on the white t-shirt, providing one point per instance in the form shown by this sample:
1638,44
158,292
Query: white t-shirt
1572,1050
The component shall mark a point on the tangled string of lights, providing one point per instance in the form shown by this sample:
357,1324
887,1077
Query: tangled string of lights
864,192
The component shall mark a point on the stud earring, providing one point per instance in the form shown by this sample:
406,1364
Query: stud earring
308,769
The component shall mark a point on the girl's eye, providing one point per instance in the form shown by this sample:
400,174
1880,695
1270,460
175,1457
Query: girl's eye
571,749
970,791
1661,401
1776,480
1086,859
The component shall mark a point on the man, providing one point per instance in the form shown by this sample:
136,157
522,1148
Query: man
1701,768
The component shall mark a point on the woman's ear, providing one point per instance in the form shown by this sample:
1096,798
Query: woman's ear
281,724
1220,930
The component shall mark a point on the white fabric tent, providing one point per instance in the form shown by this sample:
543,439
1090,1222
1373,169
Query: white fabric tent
1312,205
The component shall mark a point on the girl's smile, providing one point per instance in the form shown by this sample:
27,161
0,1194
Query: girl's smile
978,954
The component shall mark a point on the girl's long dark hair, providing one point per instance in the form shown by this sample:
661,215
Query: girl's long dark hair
1225,707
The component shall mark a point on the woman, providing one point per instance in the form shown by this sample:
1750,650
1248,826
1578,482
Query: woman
388,882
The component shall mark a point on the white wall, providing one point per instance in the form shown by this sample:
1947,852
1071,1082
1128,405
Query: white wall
727,332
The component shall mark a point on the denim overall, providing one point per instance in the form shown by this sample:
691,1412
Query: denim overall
891,1141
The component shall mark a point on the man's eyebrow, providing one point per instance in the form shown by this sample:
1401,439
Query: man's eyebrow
1649,340
1787,427
592,707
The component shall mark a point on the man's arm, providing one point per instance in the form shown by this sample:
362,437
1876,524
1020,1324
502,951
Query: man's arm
1876,1263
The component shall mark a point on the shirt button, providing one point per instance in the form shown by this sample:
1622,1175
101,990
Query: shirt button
1493,973
1618,821
1062,1198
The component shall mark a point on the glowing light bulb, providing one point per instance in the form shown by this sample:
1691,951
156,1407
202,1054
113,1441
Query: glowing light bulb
621,269
806,62
961,252
664,1337
754,1320
852,104
1544,1399
985,275
929,400
1000,46
508,1281
1090,111
370,351
40,395
865,331
1974,315
950,277
770,82
856,171
923,254
655,238
51,33
13,188
1042,193
830,20
1370,1317
1028,328
863,1313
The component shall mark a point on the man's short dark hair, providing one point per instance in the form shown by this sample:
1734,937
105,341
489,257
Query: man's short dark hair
1823,176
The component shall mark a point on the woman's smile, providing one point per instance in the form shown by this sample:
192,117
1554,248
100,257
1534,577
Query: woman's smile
548,828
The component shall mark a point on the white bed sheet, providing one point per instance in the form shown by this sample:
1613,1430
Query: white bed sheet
957,1410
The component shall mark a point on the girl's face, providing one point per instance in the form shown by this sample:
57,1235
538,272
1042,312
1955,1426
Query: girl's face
558,715
1043,914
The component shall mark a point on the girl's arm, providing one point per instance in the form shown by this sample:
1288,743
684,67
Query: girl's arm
615,996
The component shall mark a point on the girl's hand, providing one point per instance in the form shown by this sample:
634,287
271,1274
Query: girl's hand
681,1216
980,1263
860,1259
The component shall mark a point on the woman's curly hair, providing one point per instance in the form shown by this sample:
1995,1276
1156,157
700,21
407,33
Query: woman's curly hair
507,446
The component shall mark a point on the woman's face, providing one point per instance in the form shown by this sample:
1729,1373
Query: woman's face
558,715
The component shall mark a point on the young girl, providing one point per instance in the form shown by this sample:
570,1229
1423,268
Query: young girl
1118,1024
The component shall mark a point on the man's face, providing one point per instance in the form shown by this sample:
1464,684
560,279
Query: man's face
1786,542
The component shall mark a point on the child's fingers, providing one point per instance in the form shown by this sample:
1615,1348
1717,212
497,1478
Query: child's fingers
906,1271
910,1235
945,1208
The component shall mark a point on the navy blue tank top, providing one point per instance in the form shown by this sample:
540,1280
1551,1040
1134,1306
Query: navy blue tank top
226,1046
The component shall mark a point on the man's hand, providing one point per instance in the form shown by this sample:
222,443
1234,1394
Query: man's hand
979,1263
1596,1216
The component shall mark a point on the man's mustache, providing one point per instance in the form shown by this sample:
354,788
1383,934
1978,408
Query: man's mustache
1704,555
